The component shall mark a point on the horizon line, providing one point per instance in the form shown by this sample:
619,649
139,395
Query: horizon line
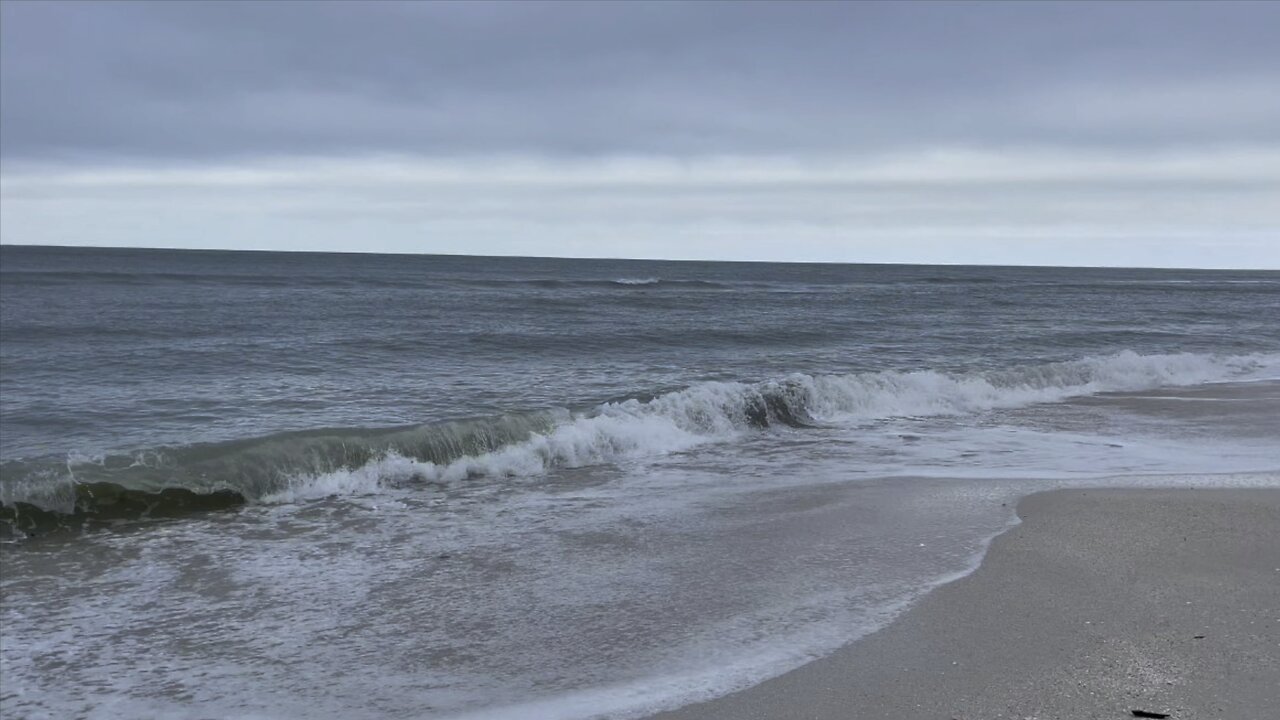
391,253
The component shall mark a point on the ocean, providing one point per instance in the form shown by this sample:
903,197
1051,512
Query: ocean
292,485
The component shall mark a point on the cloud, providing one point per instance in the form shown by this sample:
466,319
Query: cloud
1037,207
218,80
1254,165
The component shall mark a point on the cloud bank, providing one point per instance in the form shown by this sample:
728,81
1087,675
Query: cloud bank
1117,133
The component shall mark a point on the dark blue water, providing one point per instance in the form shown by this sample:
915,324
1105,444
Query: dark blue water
463,472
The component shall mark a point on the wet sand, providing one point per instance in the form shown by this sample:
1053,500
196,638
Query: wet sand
1100,603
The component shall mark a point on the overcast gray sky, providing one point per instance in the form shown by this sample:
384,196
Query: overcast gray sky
1084,134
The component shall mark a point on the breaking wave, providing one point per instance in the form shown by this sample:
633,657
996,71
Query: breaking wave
167,482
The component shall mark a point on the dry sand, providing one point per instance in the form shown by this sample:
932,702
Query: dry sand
1100,603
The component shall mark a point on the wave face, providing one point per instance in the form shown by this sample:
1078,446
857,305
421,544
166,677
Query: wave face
166,482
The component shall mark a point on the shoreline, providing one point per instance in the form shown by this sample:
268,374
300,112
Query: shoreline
1101,602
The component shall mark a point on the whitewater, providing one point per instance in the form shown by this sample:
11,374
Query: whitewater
291,486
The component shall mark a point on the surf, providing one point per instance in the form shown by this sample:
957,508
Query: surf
42,494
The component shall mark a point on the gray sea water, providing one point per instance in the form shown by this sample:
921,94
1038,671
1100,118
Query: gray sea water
269,485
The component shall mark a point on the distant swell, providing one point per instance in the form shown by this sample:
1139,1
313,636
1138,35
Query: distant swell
552,283
147,278
37,495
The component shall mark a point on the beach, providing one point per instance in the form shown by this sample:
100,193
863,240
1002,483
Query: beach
1099,603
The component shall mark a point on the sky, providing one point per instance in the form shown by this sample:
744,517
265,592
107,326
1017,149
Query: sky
1131,134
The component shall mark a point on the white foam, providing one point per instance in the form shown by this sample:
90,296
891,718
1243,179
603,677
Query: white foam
616,434
720,411
893,394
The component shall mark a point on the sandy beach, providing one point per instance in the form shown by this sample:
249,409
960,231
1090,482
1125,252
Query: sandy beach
1100,603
